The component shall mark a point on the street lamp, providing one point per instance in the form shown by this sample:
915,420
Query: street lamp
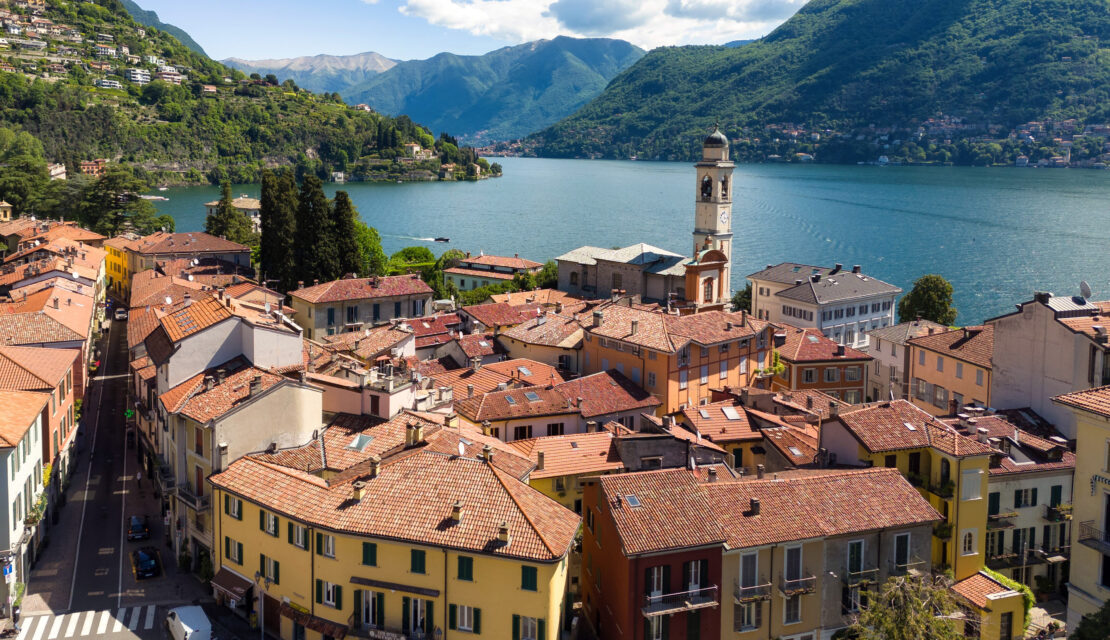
264,582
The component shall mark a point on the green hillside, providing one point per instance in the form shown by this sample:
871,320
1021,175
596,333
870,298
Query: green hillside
150,19
848,64
502,95
82,102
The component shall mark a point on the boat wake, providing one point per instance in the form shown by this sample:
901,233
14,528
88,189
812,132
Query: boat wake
410,238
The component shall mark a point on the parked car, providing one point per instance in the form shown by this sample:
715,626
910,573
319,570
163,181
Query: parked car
145,563
121,314
130,438
138,528
188,623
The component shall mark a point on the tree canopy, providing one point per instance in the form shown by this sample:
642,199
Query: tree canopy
1095,626
909,608
930,299
228,222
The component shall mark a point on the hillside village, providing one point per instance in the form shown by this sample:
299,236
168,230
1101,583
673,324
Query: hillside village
624,455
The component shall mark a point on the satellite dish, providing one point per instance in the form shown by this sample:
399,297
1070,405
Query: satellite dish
169,300
190,277
462,449
195,262
74,275
1085,289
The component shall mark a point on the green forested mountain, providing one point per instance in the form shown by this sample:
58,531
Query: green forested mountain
847,64
77,92
150,19
504,94
321,73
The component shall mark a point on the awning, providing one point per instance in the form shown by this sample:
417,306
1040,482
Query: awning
1056,559
316,623
233,584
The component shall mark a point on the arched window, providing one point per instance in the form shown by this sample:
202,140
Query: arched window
706,188
724,188
969,543
945,470
574,278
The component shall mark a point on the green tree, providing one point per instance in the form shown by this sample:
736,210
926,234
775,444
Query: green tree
343,234
1095,626
24,176
316,255
412,256
548,277
228,222
931,299
372,260
279,228
742,300
909,608
110,203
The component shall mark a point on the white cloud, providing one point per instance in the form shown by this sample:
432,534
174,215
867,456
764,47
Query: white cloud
647,23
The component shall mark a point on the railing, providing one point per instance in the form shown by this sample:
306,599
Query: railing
186,494
753,593
1058,513
912,565
863,576
796,586
1094,538
945,489
1003,560
665,603
943,531
1001,520
356,629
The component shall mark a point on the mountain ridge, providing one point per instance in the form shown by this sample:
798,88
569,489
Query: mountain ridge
150,19
321,72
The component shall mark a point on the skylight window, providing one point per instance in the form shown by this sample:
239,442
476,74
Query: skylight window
730,413
524,371
360,442
796,269
510,399
483,344
704,414
632,501
532,396
795,451
573,445
813,339
910,426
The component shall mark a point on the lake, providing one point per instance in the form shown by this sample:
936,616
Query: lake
996,234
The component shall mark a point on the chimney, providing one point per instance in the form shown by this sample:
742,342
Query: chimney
452,420
857,269
1041,296
256,386
503,533
932,330
815,277
300,284
712,474
744,317
502,386
728,326
558,307
456,511
578,402
753,507
635,326
836,268
470,391
797,282
375,464
486,429
539,461
591,426
487,454
759,471
359,487
599,317
834,408
209,382
982,431
839,350
744,396
476,363
55,303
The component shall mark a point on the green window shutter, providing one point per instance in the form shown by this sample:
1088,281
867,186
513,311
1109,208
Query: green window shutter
358,606
227,547
380,619
277,572
369,554
1056,495
289,527
277,526
541,631
319,591
262,519
416,563
429,617
528,578
339,597
240,554
262,564
466,568
477,621
1034,497
516,627
1017,499
239,514
992,503
451,614
227,504
405,604
319,543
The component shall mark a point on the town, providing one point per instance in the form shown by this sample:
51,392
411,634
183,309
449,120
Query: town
625,454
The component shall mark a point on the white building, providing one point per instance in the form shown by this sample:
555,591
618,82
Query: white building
22,492
1050,346
886,376
138,76
844,305
108,84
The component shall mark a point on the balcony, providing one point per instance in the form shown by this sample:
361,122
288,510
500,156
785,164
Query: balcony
188,496
753,593
1001,520
1093,538
1059,513
359,630
944,490
943,531
861,577
913,566
668,603
798,586
1009,559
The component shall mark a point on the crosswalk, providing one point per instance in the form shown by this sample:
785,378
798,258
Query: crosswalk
86,623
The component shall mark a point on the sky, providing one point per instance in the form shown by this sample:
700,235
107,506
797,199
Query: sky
412,29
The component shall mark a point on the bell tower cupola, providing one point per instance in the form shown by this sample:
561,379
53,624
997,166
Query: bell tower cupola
713,202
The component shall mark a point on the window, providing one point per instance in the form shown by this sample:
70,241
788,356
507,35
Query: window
851,374
369,554
233,507
749,615
555,429
466,568
970,485
528,578
921,358
792,611
397,309
464,618
793,563
352,315
1025,498
298,536
270,568
850,311
268,522
522,432
377,312
574,278
967,543
526,628
682,379
901,550
724,370
416,561
915,463
853,396
891,461
832,374
1006,626
371,608
849,336
958,398
329,594
233,550
704,374
198,440
959,369
328,549
684,356
940,363
940,397
656,579
979,377
651,379
809,375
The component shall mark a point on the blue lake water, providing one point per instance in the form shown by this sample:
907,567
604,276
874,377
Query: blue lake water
996,234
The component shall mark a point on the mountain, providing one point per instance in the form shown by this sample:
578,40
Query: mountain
322,73
502,95
848,64
150,19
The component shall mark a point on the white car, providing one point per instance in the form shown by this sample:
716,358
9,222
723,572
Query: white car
121,314
188,623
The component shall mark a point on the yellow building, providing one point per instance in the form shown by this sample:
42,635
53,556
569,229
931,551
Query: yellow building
439,535
1089,579
678,359
121,264
997,612
951,369
553,338
563,462
949,468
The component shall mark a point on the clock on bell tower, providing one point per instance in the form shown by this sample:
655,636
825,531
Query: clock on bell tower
713,204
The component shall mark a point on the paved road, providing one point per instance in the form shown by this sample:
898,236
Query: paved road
131,623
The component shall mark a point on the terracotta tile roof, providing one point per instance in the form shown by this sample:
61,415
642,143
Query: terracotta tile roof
363,289
484,380
810,345
411,500
1096,400
201,314
808,401
545,297
1086,324
666,333
34,368
12,275
368,344
213,272
495,314
676,431
151,287
434,330
144,368
429,368
513,403
69,231
33,328
792,444
722,422
141,321
20,410
124,243
816,505
530,371
188,242
515,262
903,331
666,498
882,427
605,393
35,319
970,344
72,251
572,454
477,345
14,227
978,589
479,273
193,400
1038,454
549,330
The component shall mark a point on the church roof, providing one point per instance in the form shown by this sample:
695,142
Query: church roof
716,139
652,259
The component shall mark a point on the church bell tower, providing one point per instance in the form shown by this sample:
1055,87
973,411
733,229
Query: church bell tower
713,208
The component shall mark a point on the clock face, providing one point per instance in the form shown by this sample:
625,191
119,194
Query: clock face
724,217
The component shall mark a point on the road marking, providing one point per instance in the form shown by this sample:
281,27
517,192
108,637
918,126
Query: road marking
149,617
55,628
103,626
41,628
134,624
72,628
123,526
118,626
87,627
26,628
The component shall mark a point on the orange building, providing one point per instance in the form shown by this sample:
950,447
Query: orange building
813,362
678,359
951,369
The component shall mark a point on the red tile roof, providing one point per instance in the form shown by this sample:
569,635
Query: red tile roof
548,330
195,317
193,400
151,287
572,454
479,273
978,588
496,314
722,422
1096,400
882,427
545,297
970,344
33,368
189,242
363,289
673,512
515,262
810,345
20,410
530,371
659,331
434,330
1086,324
1038,454
606,393
477,345
513,403
483,380
369,343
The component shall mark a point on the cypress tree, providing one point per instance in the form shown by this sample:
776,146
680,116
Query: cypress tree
229,222
315,249
344,240
279,228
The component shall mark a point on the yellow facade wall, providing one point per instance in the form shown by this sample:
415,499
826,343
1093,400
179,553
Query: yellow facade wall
1089,500
965,385
771,565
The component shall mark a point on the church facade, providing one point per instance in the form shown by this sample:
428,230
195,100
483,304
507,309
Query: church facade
688,284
